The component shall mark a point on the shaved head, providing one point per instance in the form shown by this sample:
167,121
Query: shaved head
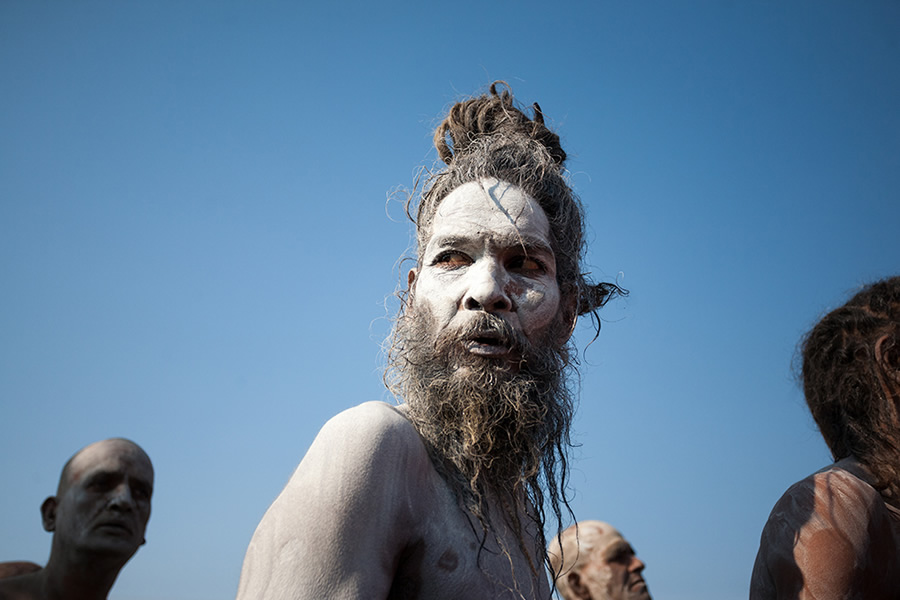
592,561
72,469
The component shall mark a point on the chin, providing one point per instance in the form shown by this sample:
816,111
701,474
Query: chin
114,547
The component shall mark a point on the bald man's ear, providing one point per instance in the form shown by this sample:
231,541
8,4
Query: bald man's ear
48,513
579,590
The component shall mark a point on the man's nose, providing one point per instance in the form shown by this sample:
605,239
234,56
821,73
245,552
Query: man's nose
637,565
121,497
486,290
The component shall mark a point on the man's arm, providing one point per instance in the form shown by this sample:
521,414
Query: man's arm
828,538
345,516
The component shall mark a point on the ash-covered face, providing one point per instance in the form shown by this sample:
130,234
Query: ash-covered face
489,251
103,503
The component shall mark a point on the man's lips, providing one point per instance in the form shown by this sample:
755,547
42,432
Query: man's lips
486,348
115,526
487,344
637,583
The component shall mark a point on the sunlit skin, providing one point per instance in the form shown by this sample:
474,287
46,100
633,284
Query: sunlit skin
366,515
489,251
615,574
600,565
98,517
831,536
835,535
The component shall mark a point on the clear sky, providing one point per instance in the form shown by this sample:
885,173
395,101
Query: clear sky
199,246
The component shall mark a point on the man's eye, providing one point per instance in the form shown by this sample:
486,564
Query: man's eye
98,485
451,260
526,264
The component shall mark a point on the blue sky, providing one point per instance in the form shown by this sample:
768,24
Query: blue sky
199,244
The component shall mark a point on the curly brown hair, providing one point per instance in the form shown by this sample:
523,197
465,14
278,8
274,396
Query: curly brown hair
851,379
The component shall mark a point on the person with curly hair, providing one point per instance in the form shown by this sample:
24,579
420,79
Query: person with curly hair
445,495
836,534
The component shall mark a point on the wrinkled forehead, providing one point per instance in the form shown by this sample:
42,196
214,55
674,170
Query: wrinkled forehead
488,207
113,456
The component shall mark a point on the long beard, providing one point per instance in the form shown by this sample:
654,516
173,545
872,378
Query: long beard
494,429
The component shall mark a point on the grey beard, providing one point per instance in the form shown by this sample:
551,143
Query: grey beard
491,428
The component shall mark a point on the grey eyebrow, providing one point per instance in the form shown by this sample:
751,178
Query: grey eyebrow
448,240
535,244
530,244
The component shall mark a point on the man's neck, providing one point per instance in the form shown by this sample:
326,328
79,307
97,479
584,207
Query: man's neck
79,578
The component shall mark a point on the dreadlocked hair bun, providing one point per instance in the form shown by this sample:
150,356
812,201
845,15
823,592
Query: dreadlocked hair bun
492,114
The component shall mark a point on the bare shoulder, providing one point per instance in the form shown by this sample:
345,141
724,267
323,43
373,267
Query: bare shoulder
375,433
17,567
374,421
348,512
828,536
19,584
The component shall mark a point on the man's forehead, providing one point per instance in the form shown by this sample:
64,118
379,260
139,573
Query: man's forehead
110,455
600,536
613,547
491,207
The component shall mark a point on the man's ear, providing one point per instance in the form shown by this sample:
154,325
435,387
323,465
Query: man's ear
48,513
411,281
578,589
570,317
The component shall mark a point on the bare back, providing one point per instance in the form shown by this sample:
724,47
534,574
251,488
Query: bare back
830,536
366,515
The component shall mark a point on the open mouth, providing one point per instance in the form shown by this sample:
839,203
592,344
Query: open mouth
487,344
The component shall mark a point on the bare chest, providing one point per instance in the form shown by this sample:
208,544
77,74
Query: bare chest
450,557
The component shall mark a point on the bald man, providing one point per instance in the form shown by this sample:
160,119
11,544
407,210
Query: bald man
98,518
592,561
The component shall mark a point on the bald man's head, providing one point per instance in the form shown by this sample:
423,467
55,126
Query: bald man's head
592,561
102,503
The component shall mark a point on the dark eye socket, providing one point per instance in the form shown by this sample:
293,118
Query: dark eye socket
99,482
526,264
141,492
623,555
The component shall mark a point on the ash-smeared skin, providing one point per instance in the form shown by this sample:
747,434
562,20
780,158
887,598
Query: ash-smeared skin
366,515
831,536
489,246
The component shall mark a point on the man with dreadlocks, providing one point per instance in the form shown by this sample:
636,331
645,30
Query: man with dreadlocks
836,534
445,495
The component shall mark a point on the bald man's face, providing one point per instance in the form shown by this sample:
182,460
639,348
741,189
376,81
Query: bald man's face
103,504
614,572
